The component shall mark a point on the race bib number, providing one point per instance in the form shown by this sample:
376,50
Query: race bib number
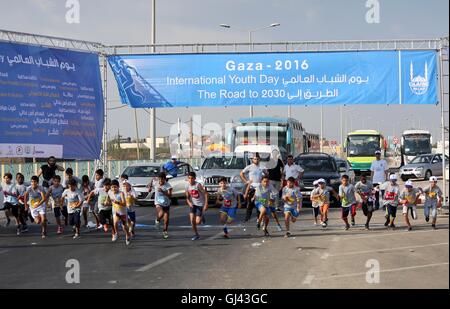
194,193
35,202
129,200
431,194
73,204
227,203
390,196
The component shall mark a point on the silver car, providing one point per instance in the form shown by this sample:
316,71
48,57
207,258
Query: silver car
423,166
217,166
141,175
345,168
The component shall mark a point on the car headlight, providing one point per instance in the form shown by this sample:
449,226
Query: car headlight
334,181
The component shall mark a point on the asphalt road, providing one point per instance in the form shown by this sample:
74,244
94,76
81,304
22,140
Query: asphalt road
312,258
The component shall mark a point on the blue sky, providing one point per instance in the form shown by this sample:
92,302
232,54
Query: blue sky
188,21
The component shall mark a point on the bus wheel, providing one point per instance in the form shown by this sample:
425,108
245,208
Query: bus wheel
427,175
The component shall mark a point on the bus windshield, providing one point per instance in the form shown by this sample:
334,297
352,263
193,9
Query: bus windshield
363,145
262,135
416,145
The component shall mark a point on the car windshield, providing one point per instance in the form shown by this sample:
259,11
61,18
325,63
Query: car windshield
363,145
316,164
227,163
421,159
416,145
141,171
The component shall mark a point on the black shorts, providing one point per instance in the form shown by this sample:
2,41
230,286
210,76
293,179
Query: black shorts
346,211
197,211
105,215
7,206
57,212
316,211
367,207
64,212
391,210
131,216
75,219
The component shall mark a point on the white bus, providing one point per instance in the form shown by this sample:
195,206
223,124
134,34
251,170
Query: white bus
414,143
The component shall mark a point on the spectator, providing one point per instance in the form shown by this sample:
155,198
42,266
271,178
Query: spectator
171,167
48,171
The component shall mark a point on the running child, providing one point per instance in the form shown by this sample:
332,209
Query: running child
273,209
74,200
86,188
119,205
365,190
292,203
433,200
229,200
408,198
348,200
104,206
391,200
197,200
21,188
163,195
68,175
98,183
130,199
321,195
54,198
11,201
315,203
34,198
263,200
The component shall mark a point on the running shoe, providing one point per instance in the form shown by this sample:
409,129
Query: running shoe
258,226
115,237
157,224
99,227
366,227
59,230
347,227
353,222
165,235
324,224
43,236
266,233
427,219
76,236
127,241
18,231
8,222
195,237
409,229
288,234
226,236
279,228
387,222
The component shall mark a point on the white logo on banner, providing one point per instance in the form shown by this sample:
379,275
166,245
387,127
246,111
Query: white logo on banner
419,84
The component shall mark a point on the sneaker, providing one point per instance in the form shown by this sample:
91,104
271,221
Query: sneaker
366,227
409,229
8,222
127,241
427,219
258,226
195,237
59,230
226,236
288,234
353,222
266,233
165,235
99,227
324,224
315,223
115,237
18,231
279,228
387,222
157,224
76,236
43,236
347,227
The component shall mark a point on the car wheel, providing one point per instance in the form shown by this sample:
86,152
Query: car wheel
427,175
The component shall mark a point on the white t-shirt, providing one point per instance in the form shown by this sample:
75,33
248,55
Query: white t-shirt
292,171
379,168
73,198
255,174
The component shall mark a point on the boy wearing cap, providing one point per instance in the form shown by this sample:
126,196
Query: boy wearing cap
322,195
408,198
364,188
391,200
433,199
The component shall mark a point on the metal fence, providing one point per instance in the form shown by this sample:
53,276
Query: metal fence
80,168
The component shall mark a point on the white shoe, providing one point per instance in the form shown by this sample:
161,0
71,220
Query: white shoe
76,236
100,227
115,237
279,228
128,241
157,224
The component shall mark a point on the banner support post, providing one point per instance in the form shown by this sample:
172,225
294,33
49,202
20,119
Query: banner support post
441,93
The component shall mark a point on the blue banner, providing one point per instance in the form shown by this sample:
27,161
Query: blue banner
51,103
372,77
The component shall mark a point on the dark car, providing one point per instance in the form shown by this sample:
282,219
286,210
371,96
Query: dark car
318,165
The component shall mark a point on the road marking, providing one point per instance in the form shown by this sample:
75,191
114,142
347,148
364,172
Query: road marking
158,262
4,251
217,235
326,255
308,279
389,234
383,271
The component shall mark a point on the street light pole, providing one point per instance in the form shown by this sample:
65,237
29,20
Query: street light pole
153,110
250,41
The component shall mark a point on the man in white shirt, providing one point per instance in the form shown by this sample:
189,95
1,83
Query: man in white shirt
379,174
292,170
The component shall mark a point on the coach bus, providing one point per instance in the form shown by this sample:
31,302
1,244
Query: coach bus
414,143
286,133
